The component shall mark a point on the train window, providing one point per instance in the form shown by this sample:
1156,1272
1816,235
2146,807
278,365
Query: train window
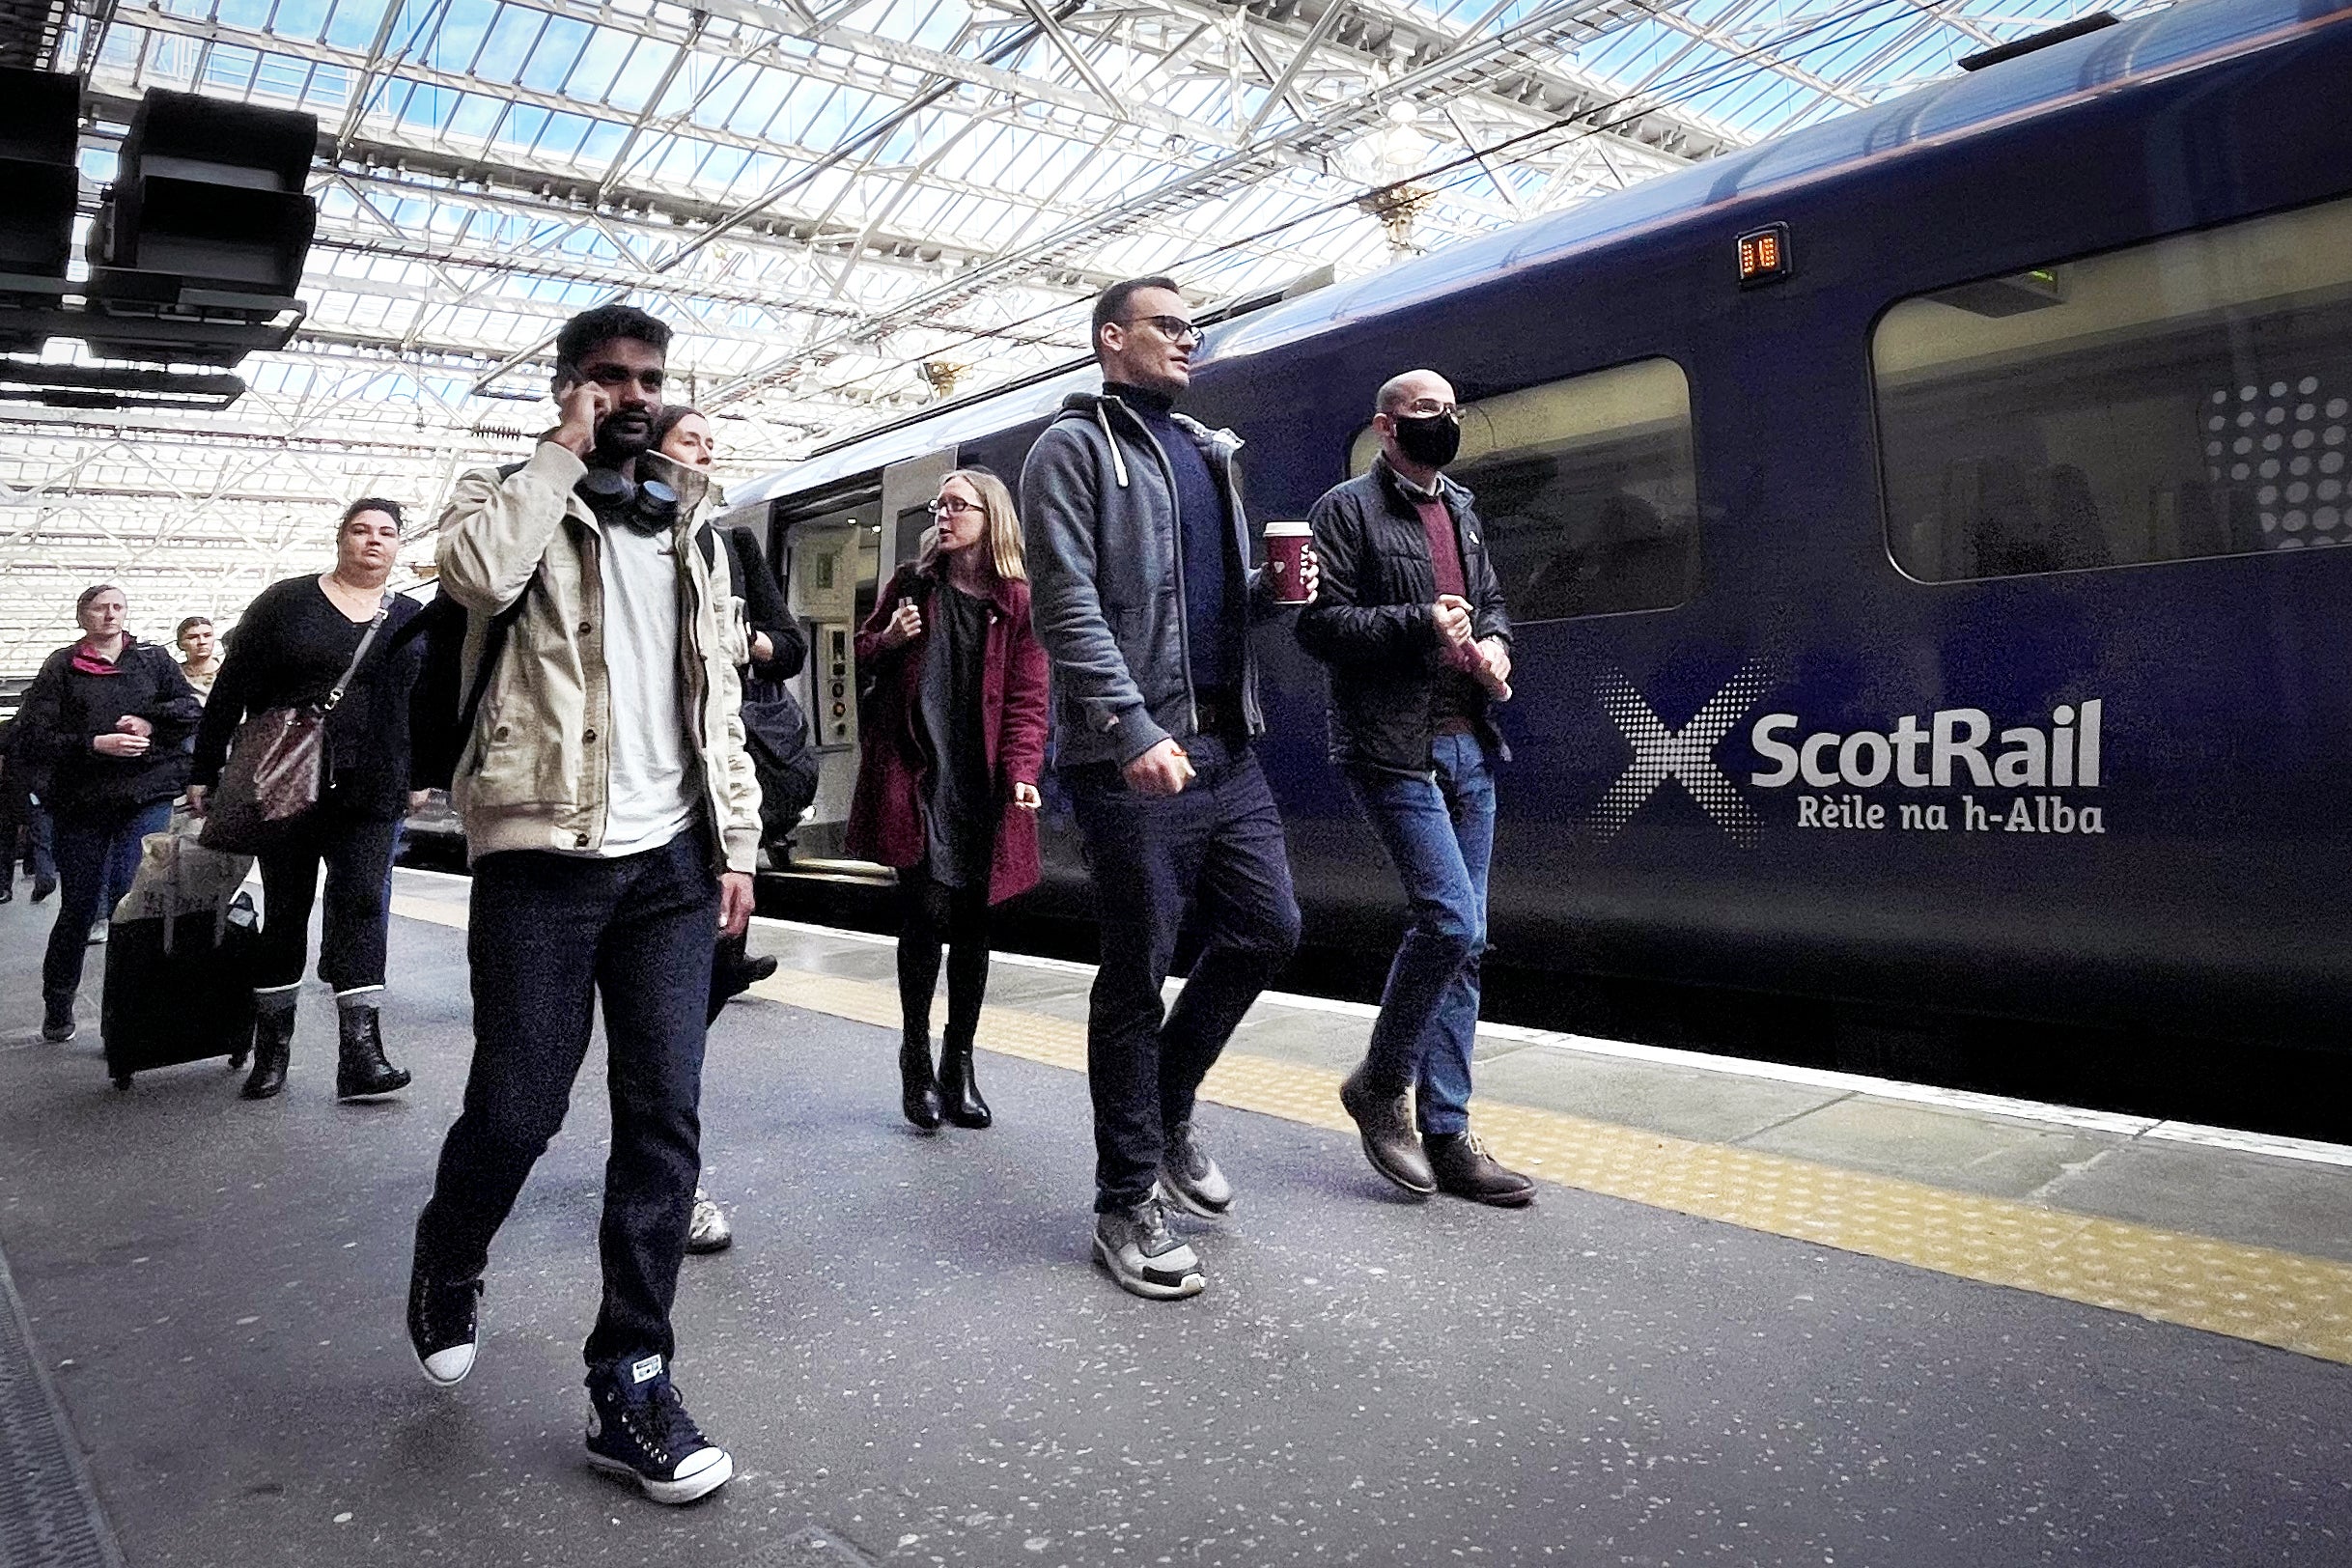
2190,397
1588,490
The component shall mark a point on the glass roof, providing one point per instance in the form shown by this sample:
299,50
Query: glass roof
847,208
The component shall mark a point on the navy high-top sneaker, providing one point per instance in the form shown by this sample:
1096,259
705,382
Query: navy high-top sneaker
638,1426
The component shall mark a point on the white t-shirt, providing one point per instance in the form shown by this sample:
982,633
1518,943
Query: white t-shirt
653,784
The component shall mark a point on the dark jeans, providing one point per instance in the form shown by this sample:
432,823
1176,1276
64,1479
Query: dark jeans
95,853
549,936
357,853
1212,856
927,913
40,837
1440,835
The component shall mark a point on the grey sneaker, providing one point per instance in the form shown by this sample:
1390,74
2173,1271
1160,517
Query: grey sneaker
1390,1144
1190,1178
708,1231
1144,1256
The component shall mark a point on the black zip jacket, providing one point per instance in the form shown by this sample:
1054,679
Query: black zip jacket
1372,624
64,710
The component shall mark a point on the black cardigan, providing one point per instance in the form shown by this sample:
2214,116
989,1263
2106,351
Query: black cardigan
764,608
288,649
64,710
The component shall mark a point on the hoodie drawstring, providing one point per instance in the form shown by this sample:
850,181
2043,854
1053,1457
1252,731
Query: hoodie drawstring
1118,464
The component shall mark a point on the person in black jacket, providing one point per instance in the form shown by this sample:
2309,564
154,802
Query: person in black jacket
107,718
1412,627
289,648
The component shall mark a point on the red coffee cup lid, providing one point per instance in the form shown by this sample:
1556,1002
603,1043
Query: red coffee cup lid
1286,530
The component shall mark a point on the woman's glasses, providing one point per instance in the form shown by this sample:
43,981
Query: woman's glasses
953,506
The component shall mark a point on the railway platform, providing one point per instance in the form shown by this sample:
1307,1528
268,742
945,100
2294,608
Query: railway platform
1756,1314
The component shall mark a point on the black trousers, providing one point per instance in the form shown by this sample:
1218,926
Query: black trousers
357,853
929,912
550,935
1212,860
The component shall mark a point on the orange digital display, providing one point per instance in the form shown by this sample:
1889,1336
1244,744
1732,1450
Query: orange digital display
1764,255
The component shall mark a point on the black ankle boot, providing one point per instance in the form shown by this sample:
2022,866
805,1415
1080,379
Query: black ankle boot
959,1089
273,1048
360,1069
919,1091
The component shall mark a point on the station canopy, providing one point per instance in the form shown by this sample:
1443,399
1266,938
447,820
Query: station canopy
848,208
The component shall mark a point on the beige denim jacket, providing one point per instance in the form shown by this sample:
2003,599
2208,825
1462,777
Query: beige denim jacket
535,774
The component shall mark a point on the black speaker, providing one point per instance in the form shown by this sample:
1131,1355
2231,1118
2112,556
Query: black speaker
206,222
40,116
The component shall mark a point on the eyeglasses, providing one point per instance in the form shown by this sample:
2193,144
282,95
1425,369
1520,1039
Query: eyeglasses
1426,407
1175,329
953,506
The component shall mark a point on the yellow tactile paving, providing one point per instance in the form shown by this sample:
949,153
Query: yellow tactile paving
2251,1293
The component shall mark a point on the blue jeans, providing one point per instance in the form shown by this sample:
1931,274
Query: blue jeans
549,935
1211,859
97,858
1440,835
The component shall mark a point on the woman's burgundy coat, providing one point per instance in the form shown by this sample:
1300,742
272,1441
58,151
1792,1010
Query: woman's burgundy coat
893,776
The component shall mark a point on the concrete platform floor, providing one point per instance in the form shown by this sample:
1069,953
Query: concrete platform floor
914,1363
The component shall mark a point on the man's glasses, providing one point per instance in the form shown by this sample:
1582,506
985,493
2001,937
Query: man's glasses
1175,329
953,506
1426,407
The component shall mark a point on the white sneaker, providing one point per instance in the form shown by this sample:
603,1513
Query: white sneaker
708,1231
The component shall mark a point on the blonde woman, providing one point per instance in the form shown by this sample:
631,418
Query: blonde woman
953,740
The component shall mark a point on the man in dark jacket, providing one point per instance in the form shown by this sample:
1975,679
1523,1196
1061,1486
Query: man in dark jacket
1142,594
1411,624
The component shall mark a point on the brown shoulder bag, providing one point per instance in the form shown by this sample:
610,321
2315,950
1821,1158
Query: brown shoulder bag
277,767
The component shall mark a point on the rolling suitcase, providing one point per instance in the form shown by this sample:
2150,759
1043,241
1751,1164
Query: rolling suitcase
180,954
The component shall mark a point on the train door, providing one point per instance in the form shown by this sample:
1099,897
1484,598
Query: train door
824,546
839,547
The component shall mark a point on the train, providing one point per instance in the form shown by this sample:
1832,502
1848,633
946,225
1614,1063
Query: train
1926,537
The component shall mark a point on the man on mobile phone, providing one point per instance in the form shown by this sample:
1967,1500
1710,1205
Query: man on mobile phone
1142,593
612,816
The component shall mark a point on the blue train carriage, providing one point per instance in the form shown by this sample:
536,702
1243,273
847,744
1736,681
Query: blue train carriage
1918,532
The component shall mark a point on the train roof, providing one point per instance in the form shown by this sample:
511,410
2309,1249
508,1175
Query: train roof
2176,39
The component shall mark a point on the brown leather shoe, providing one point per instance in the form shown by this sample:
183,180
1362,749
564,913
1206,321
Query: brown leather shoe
1385,1123
1463,1168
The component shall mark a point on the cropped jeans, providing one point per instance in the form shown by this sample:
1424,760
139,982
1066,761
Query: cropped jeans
549,935
1209,860
1439,834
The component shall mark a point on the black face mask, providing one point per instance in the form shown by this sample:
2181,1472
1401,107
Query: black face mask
1429,439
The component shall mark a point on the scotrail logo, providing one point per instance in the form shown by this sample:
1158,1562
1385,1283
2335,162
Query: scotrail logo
1955,750
1685,755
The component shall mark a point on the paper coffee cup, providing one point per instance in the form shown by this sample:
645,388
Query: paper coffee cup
1286,558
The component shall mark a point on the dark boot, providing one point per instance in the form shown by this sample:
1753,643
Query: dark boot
959,1089
360,1070
1463,1168
919,1091
273,1048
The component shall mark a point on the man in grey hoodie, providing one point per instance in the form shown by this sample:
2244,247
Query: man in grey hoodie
1142,593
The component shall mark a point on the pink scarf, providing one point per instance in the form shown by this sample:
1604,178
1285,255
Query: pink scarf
86,662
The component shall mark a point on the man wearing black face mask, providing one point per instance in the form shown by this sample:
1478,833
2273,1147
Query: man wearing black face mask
1410,625
612,816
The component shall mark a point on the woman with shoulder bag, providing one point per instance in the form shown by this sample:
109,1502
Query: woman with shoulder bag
108,720
295,643
952,740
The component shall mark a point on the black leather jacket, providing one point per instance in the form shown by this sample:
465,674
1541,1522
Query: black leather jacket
1371,623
